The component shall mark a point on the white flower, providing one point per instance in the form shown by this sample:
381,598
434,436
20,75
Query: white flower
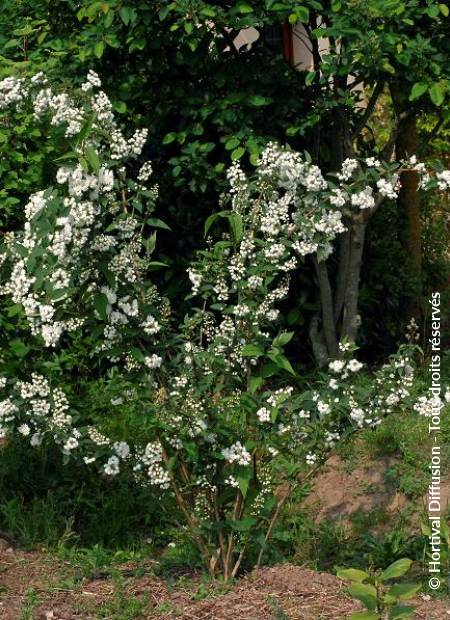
443,179
112,466
311,458
388,188
363,199
24,429
71,444
336,366
348,168
263,414
237,453
122,449
323,408
354,365
36,440
153,361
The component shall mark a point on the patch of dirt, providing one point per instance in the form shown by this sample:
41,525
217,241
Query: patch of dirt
339,493
33,583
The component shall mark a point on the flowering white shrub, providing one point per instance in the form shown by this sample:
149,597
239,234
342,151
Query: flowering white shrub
202,412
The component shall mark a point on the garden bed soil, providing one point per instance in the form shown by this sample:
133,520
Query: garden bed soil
41,587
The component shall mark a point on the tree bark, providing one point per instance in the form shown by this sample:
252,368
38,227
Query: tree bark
407,144
326,302
351,318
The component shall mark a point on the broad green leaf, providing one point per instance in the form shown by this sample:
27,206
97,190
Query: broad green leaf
436,92
255,383
231,144
418,89
364,615
19,348
401,611
365,593
157,223
404,591
244,7
302,13
282,339
252,350
309,79
236,225
237,153
169,137
282,362
258,101
243,525
120,107
352,573
396,569
150,243
92,157
99,48
211,219
125,15
100,304
444,9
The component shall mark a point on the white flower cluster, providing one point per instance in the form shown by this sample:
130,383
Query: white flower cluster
237,453
81,234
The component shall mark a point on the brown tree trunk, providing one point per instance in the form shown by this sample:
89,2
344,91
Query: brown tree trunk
407,143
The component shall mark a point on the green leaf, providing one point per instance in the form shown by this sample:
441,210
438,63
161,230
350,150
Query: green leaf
19,348
236,225
120,107
14,310
400,611
418,89
169,137
137,354
164,11
282,362
157,223
211,219
100,304
243,525
258,101
352,573
364,615
252,350
302,13
150,243
231,144
254,384
99,48
282,339
444,9
309,79
365,593
244,7
404,591
396,569
237,153
125,15
436,92
154,265
92,157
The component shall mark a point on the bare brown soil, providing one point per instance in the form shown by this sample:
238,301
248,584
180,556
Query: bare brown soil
37,586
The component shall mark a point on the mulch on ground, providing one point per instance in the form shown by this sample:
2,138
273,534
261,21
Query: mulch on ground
35,586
